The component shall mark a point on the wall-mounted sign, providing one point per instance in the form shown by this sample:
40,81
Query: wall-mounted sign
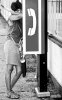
32,26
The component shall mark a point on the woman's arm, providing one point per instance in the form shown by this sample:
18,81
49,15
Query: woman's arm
15,16
9,10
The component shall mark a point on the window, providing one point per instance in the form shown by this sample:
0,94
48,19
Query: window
59,6
55,17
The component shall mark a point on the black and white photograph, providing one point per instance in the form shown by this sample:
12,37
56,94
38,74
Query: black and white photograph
30,49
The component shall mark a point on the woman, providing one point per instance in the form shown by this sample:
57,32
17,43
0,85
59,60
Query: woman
11,49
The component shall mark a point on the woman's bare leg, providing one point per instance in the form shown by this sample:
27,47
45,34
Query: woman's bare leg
16,76
8,76
10,93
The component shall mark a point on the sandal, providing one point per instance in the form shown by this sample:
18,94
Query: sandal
15,93
12,95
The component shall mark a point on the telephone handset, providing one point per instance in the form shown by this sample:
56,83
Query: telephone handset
31,31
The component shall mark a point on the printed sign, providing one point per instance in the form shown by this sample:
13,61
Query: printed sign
32,26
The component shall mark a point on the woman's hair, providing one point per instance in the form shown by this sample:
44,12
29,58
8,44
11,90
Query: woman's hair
16,5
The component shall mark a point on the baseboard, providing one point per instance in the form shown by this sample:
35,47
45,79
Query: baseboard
56,83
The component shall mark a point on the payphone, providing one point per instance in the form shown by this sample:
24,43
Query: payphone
35,39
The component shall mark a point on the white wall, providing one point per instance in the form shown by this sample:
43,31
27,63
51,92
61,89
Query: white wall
55,61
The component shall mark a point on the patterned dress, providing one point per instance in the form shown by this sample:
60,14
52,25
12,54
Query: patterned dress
11,49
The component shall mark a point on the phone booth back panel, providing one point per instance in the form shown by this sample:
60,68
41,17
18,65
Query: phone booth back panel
31,7
32,28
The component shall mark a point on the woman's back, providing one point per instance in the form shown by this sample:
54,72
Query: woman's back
15,31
